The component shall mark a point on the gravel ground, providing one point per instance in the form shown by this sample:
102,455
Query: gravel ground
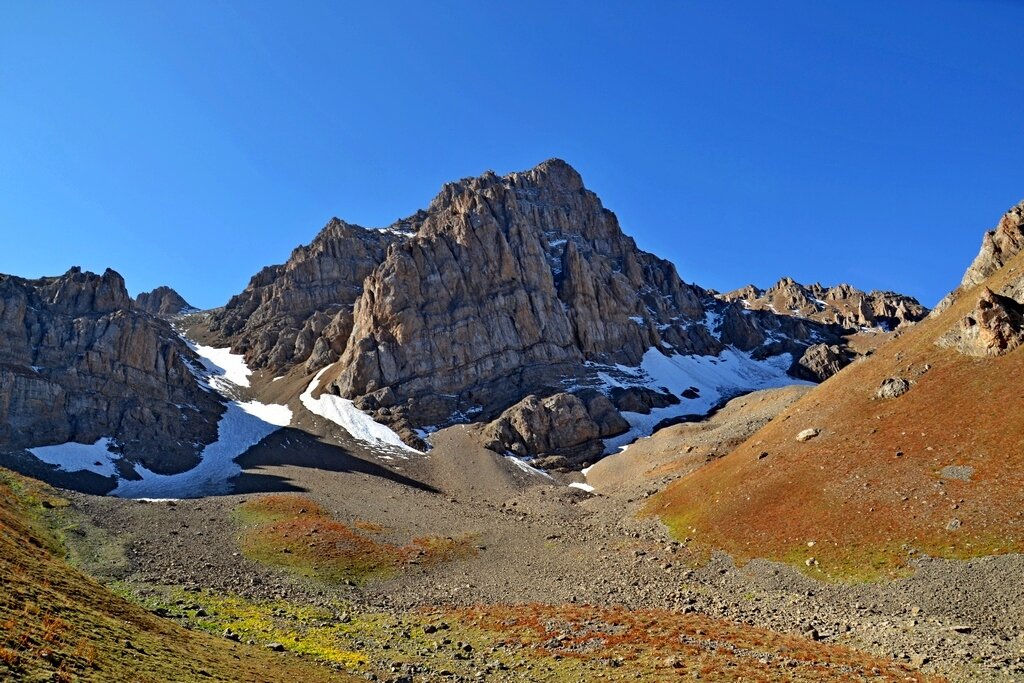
540,541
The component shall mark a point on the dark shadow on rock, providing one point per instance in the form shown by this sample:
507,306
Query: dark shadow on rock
293,447
83,481
287,446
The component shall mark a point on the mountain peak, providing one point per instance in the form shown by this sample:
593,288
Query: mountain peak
162,301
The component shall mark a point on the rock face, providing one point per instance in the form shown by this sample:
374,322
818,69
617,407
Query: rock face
162,301
78,362
843,304
559,425
505,287
820,362
301,311
995,327
509,285
513,284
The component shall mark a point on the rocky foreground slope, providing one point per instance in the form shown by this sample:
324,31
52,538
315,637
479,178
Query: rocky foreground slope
79,362
521,293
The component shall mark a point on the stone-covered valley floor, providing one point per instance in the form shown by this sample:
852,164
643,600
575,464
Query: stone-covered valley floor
516,576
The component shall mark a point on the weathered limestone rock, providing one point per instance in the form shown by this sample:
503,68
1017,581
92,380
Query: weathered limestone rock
820,362
78,363
162,301
893,387
302,310
996,327
997,247
842,305
559,425
506,287
510,284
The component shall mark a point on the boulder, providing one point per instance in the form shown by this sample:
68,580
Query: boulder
557,425
819,362
893,387
808,434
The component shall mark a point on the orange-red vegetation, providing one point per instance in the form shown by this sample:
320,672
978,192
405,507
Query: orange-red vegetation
868,493
662,645
297,533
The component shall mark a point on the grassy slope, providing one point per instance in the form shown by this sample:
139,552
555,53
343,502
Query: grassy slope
865,508
56,624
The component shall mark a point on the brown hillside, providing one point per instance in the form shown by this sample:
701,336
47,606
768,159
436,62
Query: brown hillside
873,488
56,624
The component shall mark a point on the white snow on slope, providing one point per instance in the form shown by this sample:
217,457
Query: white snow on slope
78,457
241,427
714,377
581,486
224,370
525,466
344,413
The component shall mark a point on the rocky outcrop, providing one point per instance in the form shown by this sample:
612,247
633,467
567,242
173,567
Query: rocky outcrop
994,328
559,425
642,399
842,305
997,247
510,285
162,301
78,362
820,362
301,311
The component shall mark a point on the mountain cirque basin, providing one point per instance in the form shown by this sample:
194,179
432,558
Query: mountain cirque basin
399,456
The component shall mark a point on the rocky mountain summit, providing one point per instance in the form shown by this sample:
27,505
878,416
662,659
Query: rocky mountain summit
163,301
301,311
998,246
510,287
80,362
842,304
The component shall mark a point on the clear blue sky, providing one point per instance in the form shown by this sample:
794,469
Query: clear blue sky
192,143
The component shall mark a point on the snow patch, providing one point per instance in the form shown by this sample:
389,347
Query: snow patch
716,378
344,413
224,369
581,486
527,467
80,457
242,426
